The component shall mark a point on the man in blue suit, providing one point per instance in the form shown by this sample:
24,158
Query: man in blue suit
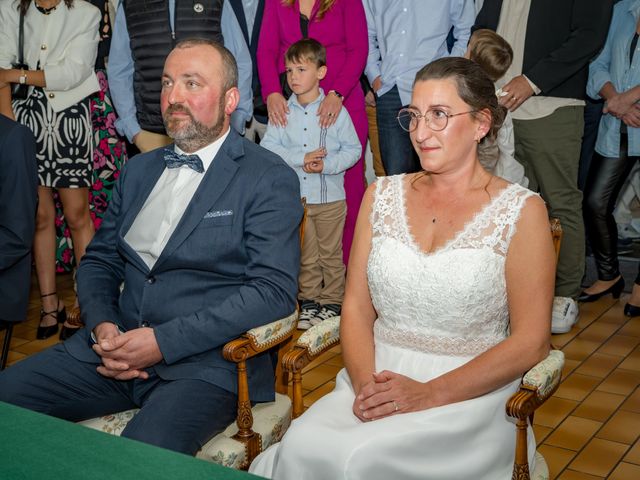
18,202
195,250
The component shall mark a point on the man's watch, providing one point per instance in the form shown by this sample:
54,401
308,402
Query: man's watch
337,94
23,77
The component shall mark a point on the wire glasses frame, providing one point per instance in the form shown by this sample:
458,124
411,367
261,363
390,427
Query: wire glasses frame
436,119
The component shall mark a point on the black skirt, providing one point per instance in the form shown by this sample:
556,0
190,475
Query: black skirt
64,145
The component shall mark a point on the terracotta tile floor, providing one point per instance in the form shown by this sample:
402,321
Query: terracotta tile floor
589,430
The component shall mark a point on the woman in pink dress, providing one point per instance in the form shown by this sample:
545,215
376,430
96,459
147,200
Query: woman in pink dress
341,26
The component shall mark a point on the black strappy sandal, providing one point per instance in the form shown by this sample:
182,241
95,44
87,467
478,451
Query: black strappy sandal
60,316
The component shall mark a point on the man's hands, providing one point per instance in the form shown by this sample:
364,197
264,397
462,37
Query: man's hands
389,393
517,91
125,356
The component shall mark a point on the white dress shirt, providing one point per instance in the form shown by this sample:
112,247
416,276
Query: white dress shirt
166,204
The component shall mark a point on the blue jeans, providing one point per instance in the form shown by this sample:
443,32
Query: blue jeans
398,155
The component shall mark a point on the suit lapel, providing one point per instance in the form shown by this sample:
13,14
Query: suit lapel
215,181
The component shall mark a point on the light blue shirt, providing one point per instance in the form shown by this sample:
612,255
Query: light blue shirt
612,65
303,134
405,35
250,9
120,71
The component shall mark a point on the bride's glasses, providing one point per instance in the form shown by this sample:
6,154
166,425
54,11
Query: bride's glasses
435,118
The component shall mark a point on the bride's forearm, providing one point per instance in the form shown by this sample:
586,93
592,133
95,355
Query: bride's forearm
489,371
358,352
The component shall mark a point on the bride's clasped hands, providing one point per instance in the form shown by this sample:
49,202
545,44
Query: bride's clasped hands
389,393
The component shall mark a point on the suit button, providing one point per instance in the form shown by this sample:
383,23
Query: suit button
43,47
144,324
52,95
151,280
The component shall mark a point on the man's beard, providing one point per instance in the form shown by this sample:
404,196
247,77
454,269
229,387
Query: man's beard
194,135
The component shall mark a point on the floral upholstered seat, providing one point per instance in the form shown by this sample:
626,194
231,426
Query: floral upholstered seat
256,428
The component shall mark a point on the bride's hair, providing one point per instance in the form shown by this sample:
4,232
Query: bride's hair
477,90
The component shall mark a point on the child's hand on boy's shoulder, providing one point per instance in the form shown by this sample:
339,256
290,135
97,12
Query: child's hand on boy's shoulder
314,160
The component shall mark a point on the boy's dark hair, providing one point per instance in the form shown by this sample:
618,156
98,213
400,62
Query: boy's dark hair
307,49
492,52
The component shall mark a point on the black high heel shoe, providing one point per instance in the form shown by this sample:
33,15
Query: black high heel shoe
615,290
631,310
73,319
47,331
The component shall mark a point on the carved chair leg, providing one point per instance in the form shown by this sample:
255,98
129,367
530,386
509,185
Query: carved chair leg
521,462
298,406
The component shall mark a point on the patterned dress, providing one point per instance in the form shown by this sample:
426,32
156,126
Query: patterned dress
109,152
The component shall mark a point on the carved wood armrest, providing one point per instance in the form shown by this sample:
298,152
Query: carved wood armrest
311,344
538,384
255,341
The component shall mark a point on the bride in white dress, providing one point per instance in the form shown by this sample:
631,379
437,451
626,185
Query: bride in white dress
447,303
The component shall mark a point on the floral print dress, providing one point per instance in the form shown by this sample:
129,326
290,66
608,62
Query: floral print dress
109,152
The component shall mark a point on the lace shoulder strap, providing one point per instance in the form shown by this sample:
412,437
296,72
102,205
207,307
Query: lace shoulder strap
387,212
495,226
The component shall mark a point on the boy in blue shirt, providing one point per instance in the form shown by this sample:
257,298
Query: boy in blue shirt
320,157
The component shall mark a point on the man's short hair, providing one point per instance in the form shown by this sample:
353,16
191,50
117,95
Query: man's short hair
229,65
309,50
492,52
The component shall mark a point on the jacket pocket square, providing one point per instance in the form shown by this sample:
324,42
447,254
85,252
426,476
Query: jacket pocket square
218,213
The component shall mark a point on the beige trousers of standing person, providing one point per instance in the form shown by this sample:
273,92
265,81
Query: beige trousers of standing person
147,141
321,266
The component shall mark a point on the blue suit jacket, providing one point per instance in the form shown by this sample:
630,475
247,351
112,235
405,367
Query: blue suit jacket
18,202
231,265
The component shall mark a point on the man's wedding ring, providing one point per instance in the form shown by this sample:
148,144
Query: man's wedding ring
395,406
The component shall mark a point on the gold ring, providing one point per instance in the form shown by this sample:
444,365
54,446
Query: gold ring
395,406
330,114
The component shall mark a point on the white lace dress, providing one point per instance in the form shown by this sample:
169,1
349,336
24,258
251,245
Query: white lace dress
436,311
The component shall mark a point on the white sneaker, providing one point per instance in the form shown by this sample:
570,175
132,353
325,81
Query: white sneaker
564,314
628,231
308,312
326,312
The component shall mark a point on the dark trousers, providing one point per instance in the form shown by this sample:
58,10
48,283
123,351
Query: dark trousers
604,182
180,415
396,150
592,115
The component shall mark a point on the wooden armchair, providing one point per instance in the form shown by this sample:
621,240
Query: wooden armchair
255,428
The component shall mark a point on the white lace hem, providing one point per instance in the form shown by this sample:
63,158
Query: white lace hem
449,346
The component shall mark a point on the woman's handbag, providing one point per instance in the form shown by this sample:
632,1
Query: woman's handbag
19,91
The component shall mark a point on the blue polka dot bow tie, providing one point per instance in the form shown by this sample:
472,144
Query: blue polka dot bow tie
175,160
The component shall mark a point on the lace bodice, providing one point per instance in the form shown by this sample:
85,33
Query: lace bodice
452,301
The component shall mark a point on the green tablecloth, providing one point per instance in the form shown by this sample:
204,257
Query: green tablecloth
36,446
